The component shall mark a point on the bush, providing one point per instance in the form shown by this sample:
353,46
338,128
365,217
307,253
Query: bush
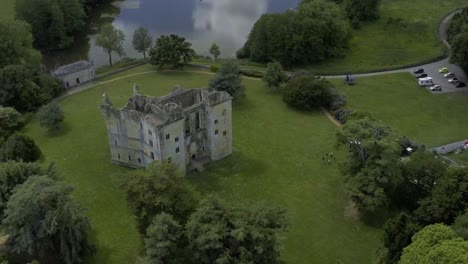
307,92
20,148
214,68
228,79
252,73
10,120
51,116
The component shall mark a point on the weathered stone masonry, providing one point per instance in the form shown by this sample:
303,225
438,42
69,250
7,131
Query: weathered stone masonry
189,127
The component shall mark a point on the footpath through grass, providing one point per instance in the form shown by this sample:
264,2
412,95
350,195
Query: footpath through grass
430,119
277,159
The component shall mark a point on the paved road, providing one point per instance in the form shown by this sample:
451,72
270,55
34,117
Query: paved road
432,69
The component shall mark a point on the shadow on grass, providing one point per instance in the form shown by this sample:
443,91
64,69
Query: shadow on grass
236,165
64,129
104,252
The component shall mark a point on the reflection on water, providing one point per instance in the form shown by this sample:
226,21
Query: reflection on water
202,22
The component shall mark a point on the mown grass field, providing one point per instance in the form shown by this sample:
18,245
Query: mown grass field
7,9
277,158
430,119
379,44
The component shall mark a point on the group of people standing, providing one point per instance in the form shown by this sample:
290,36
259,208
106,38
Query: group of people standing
328,158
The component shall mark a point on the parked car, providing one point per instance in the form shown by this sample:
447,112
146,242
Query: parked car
449,75
460,85
436,88
425,81
418,71
423,75
453,80
443,70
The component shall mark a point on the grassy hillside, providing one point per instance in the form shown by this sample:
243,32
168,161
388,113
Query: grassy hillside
7,9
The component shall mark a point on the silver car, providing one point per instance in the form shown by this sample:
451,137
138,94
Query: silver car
436,88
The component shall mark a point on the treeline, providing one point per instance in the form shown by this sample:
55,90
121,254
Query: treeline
317,30
54,23
457,34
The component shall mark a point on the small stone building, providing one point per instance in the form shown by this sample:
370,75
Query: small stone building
189,127
76,73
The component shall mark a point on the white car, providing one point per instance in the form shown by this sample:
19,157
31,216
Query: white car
453,80
449,75
436,88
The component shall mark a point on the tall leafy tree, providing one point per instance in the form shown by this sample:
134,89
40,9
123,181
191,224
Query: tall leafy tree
142,40
459,48
10,121
372,170
163,239
228,79
42,220
18,89
214,50
221,233
274,75
16,45
160,188
362,10
51,116
20,148
173,50
12,174
111,40
436,244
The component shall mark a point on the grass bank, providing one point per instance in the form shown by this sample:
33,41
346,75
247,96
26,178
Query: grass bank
7,9
431,119
282,166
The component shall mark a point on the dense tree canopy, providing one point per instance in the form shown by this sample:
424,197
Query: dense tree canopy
16,45
160,188
317,30
458,21
18,89
459,49
307,92
142,40
53,22
460,226
362,10
10,120
19,148
42,220
173,50
436,244
111,40
221,233
228,79
372,169
51,116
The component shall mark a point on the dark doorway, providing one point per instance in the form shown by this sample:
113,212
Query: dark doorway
77,81
194,156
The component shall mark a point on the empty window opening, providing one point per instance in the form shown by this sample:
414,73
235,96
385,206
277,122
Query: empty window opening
216,121
194,156
151,143
168,136
187,126
216,132
139,160
118,155
149,132
224,132
197,120
152,155
129,158
177,150
115,142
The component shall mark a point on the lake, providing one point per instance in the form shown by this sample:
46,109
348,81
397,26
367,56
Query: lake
202,22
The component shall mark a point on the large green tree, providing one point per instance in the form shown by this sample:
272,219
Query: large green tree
160,188
12,174
10,121
307,92
142,40
274,75
163,240
53,22
16,45
18,89
173,50
372,170
19,148
459,48
436,244
43,221
458,21
51,116
228,79
316,31
222,233
111,40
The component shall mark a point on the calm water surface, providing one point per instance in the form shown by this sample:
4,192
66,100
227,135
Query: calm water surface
202,22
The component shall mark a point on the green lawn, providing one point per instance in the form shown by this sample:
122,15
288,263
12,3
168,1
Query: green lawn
7,9
277,158
377,46
431,119
461,157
